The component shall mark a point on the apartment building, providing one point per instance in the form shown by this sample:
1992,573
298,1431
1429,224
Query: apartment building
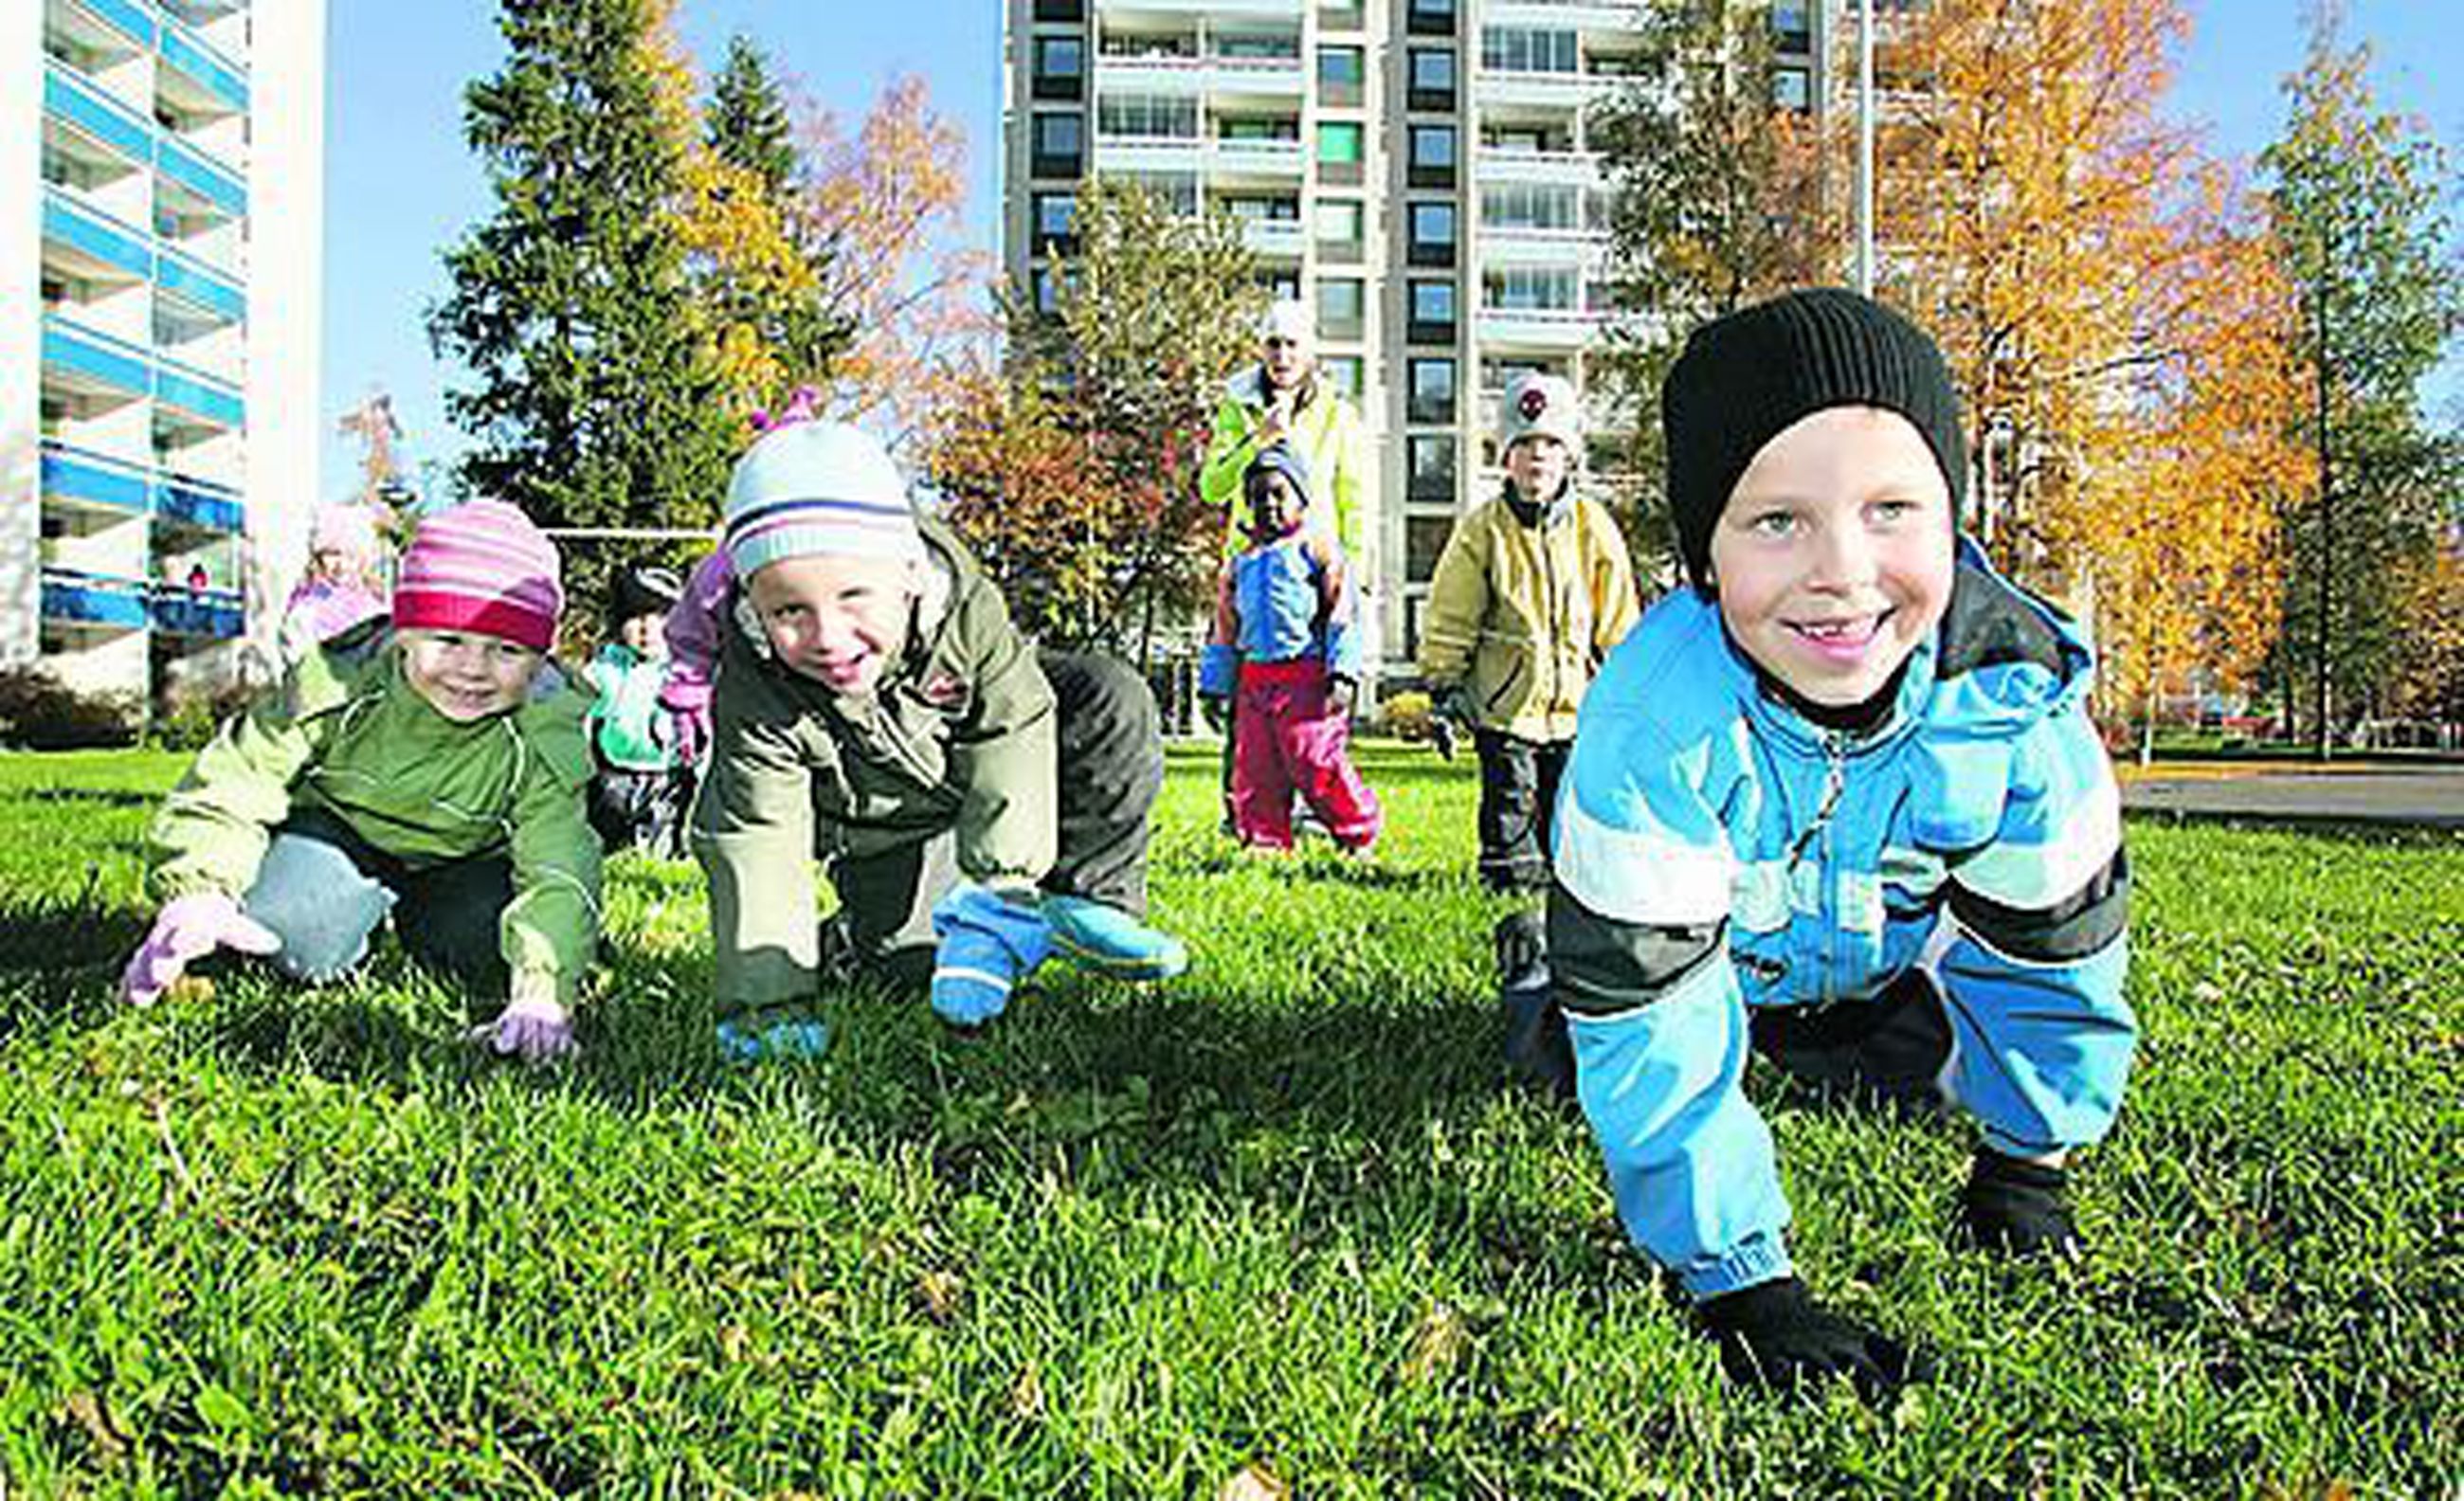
1418,170
160,218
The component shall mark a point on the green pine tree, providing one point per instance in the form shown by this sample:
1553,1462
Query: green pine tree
747,119
2356,199
593,398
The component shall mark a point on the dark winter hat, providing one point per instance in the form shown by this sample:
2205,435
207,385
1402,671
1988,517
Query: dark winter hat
643,589
1278,458
1747,376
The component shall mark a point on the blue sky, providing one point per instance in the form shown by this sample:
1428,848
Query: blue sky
401,186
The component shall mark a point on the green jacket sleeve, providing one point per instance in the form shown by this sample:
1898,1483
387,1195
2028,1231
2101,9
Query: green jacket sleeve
1350,448
212,831
1006,755
552,924
1228,452
753,831
1458,604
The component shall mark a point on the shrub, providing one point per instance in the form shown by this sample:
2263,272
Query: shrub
196,716
1407,715
39,712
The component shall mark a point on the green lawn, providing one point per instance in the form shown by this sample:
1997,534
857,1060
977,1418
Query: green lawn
1282,1216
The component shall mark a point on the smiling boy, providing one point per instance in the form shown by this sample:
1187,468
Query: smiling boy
1840,804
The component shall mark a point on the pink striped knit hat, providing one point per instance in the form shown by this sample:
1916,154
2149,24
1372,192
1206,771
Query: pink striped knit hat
484,568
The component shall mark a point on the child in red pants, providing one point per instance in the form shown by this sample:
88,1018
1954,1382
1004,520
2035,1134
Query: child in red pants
1285,637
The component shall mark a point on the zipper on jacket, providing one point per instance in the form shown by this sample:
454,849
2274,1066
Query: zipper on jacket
1834,779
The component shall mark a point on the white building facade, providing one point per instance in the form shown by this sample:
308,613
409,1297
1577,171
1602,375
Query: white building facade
161,227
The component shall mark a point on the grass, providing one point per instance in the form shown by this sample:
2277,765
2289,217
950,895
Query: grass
1279,1223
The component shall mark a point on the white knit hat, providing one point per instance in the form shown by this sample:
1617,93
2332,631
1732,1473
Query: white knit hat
1286,318
1539,405
817,487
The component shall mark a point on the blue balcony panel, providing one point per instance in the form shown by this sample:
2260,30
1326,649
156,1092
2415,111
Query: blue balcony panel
216,295
88,600
199,399
126,17
214,614
198,61
71,99
215,508
70,474
91,234
191,168
86,354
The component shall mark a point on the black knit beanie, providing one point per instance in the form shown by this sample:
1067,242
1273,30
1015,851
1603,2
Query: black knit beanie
1744,377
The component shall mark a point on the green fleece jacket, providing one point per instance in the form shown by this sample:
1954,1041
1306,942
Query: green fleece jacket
958,736
345,733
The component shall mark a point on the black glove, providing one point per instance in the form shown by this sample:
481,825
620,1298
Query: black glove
1454,701
1217,711
1538,1046
1441,735
2017,1208
1341,694
1774,1335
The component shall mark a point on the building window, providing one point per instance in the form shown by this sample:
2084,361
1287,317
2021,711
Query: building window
1047,291
1528,206
1342,371
1060,67
1531,289
1260,46
1059,145
1792,88
1055,215
1179,191
1424,536
1791,27
1433,234
1433,391
1433,156
1432,18
1432,478
1432,79
1060,9
1519,48
1147,116
1342,303
1340,68
1338,141
1338,226
1433,312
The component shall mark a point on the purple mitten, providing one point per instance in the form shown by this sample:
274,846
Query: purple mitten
187,930
532,1026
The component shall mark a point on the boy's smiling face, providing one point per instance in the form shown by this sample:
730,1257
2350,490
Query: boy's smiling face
465,675
840,621
1275,507
1832,559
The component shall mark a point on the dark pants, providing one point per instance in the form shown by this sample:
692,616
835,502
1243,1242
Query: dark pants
1893,1046
1110,770
324,891
1518,809
640,808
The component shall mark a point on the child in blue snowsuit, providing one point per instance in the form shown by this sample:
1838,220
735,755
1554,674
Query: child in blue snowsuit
1840,803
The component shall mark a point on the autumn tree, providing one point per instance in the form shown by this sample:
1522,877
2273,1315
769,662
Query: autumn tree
762,281
1714,202
2358,212
1072,464
881,208
593,396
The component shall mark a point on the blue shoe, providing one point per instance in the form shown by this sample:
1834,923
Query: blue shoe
791,1037
1110,941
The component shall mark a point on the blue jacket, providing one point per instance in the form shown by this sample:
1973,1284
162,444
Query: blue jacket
1279,601
1717,851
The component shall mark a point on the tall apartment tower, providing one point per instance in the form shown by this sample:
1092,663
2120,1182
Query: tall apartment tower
160,216
1418,170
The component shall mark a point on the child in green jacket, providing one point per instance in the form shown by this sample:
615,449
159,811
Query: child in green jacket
977,804
432,772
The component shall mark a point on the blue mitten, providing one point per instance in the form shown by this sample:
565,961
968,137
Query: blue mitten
988,943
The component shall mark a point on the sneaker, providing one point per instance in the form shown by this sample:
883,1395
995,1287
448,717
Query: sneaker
1110,941
755,1041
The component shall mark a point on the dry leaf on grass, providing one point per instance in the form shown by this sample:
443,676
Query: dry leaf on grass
1254,1483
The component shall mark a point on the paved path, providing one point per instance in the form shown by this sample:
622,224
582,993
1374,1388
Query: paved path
2428,797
